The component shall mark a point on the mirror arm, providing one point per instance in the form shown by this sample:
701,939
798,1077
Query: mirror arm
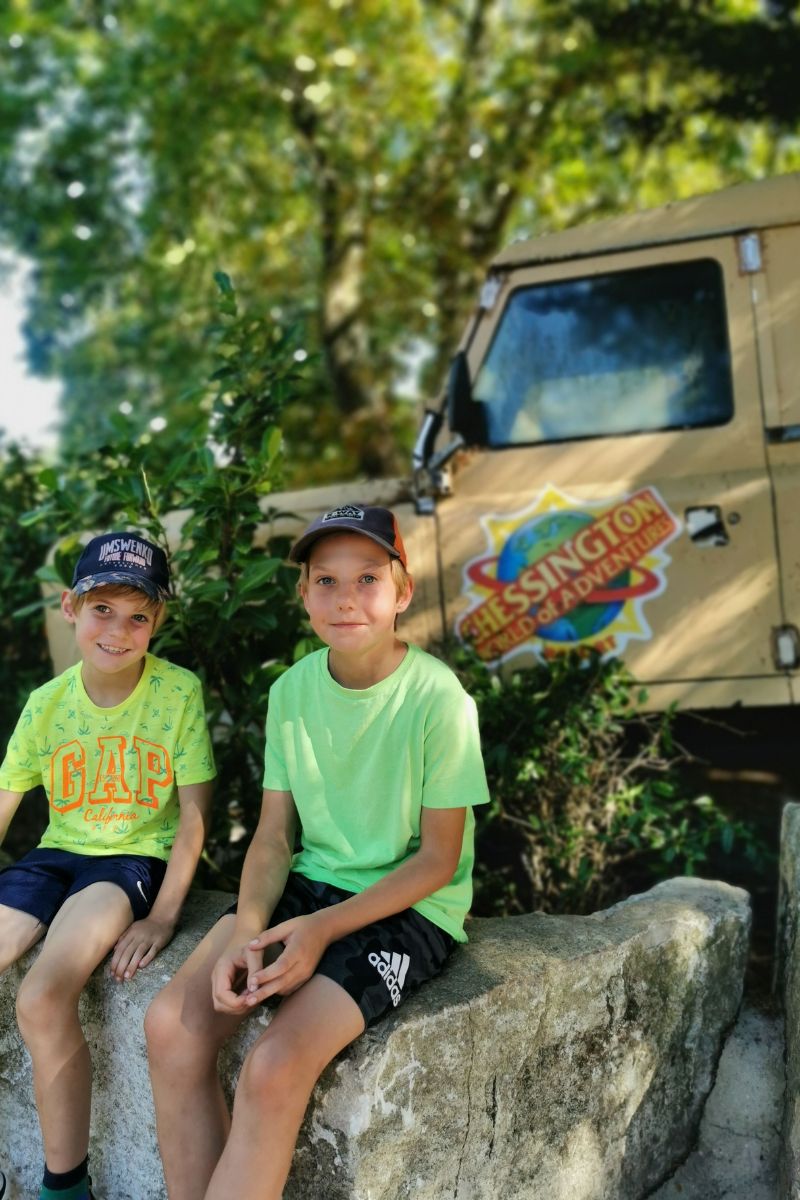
429,431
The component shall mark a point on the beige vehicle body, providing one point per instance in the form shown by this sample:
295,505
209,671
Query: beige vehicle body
622,440
630,393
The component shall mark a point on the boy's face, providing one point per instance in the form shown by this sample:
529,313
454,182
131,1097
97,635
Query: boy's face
351,598
113,632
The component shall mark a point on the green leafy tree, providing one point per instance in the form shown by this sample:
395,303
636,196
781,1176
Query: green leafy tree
355,165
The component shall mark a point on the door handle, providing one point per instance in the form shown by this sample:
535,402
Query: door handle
705,525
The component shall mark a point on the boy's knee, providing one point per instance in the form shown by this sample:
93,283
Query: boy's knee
161,1023
41,1007
279,1066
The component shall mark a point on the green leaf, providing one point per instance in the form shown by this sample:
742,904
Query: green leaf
48,478
48,574
34,516
258,573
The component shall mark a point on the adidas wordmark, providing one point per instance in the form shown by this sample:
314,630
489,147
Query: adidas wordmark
393,969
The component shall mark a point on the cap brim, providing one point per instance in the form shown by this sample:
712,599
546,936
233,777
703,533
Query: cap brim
125,579
299,551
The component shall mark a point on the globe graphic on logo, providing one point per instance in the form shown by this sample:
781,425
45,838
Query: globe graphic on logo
540,536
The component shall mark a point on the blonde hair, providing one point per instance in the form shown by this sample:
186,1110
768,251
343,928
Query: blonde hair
127,592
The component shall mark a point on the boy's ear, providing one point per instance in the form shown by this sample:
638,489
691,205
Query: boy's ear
67,610
404,600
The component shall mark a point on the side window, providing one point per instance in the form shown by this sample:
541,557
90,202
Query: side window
629,352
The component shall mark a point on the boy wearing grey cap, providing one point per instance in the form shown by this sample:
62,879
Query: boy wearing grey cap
121,745
357,880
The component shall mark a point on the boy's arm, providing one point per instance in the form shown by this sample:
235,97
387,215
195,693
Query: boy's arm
142,940
9,803
264,875
306,938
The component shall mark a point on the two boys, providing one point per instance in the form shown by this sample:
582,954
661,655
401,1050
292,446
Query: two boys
357,880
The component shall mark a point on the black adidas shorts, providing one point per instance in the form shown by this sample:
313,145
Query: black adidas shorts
377,965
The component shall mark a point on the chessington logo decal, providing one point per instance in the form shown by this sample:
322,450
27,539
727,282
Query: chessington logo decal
565,572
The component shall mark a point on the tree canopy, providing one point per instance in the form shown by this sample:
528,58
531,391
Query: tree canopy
353,167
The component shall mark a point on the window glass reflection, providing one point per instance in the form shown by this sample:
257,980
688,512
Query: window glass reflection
629,352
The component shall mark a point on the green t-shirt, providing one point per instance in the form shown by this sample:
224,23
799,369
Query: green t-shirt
361,765
112,774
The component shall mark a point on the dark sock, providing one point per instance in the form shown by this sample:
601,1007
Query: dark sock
66,1185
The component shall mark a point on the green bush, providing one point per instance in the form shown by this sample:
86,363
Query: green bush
23,652
236,619
587,805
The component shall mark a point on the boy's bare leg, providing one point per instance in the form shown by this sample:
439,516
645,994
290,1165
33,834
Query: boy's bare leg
277,1079
18,932
80,936
184,1036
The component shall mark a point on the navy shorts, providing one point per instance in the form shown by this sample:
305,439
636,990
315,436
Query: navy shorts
377,965
43,879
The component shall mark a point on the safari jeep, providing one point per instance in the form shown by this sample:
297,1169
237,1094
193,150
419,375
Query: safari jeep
629,397
616,459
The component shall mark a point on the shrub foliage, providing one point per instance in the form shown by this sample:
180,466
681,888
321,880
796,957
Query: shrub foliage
235,619
587,804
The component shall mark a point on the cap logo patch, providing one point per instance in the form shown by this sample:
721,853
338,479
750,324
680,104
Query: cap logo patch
347,512
127,552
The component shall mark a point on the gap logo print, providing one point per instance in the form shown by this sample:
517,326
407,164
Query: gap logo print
93,771
112,774
564,573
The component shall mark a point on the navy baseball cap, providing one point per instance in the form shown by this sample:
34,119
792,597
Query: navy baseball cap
124,558
379,524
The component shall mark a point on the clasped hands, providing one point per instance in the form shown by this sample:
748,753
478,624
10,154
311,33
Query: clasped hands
240,979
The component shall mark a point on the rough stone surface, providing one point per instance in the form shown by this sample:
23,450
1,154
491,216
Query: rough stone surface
789,987
556,1058
736,1157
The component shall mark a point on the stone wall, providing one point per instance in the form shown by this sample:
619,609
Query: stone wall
556,1058
788,981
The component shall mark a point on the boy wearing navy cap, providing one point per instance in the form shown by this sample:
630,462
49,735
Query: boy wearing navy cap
373,762
121,745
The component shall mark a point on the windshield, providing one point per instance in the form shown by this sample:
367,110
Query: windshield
628,352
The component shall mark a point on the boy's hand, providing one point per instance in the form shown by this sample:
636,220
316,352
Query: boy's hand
229,978
138,946
304,943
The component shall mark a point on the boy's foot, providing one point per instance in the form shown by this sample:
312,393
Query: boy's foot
2,1185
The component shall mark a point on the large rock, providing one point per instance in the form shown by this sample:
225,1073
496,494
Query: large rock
789,986
555,1057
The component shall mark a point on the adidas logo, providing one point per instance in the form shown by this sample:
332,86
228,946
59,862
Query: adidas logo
393,969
